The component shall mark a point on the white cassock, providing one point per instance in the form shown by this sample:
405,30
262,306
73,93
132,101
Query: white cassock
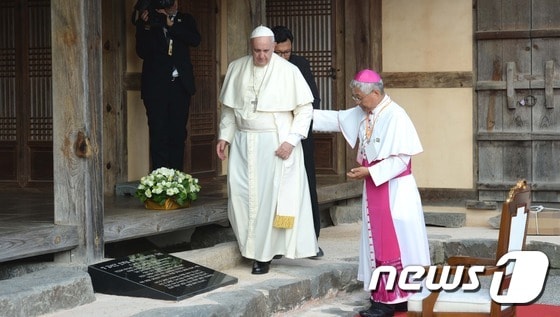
261,108
393,142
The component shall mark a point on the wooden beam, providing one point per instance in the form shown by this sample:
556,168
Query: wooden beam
128,222
536,83
78,124
517,137
26,240
517,34
427,79
502,35
126,217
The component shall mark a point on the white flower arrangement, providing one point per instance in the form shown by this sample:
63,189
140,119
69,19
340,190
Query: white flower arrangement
164,183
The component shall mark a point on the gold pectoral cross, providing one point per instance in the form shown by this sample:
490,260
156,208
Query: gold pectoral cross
254,103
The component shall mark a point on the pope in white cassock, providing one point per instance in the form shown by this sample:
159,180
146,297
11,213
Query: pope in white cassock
266,111
393,232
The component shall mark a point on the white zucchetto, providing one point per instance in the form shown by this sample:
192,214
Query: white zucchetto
261,31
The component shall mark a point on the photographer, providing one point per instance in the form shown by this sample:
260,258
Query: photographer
163,38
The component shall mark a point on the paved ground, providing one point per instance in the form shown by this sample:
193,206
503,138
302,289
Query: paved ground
348,304
303,287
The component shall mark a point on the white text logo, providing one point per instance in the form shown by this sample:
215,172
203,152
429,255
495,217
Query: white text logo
529,269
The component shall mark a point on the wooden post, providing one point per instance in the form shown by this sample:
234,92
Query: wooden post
549,84
511,76
77,124
258,12
115,155
376,35
238,26
362,46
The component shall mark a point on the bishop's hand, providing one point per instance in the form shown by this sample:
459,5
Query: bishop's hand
357,172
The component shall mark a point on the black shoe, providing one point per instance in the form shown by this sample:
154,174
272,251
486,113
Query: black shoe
378,309
260,267
319,254
401,307
277,257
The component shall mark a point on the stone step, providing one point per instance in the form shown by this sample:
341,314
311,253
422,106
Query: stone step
445,219
352,214
45,290
472,217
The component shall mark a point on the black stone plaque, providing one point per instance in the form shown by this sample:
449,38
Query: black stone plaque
155,274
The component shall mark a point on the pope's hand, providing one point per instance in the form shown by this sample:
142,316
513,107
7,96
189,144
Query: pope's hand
221,149
284,151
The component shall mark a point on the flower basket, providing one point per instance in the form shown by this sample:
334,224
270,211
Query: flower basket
168,204
166,189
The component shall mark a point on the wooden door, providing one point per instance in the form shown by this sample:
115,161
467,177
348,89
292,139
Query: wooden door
200,150
312,24
25,93
518,97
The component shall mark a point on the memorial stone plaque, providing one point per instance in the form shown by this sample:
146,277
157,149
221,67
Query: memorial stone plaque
155,274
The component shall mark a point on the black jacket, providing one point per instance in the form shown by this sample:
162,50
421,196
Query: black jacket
152,46
303,64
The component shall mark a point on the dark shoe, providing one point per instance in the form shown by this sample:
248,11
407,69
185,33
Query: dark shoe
378,309
260,267
277,257
319,254
401,307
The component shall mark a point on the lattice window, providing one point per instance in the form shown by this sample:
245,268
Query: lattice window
7,73
40,76
311,24
202,123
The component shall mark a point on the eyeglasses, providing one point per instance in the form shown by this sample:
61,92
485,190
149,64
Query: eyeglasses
358,98
283,53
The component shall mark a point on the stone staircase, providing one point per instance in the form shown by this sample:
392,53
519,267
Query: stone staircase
37,289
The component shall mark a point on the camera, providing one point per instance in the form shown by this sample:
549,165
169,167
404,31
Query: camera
155,19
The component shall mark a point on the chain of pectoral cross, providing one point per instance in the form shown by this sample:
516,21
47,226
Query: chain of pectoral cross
255,101
370,122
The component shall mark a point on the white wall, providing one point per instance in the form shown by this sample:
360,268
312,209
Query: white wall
434,36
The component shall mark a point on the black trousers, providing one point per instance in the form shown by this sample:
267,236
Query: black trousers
168,115
308,150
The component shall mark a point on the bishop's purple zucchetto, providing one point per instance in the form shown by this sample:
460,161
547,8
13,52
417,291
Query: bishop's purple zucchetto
367,76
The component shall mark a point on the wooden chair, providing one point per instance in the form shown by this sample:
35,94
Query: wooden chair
511,237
